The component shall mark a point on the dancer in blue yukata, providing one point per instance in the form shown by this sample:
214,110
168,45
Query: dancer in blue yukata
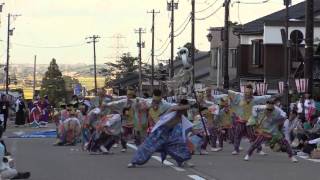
167,137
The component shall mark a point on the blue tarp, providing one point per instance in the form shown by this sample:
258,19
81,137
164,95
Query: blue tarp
37,134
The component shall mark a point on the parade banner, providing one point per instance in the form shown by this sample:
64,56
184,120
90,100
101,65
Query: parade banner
302,85
298,85
261,88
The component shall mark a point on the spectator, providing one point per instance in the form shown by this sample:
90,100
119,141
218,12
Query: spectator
291,126
7,171
4,105
277,102
309,106
20,112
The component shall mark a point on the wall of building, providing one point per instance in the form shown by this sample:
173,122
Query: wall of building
273,61
272,34
244,53
216,38
216,46
247,39
217,56
246,67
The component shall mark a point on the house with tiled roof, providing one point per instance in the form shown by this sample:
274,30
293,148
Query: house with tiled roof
261,49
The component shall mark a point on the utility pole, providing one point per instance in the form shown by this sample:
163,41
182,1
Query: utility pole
118,47
193,40
171,7
94,39
152,51
308,63
226,45
9,33
286,56
34,75
8,55
140,45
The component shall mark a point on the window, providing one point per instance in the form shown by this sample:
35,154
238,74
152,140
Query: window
257,52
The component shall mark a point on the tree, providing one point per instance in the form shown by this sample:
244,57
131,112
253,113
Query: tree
189,46
70,83
124,66
53,84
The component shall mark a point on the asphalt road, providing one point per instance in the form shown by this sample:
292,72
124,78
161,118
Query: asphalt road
47,162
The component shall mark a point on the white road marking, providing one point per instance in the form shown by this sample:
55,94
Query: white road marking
196,177
168,163
157,158
307,158
132,146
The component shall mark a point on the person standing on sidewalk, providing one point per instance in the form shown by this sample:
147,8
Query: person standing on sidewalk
4,105
20,112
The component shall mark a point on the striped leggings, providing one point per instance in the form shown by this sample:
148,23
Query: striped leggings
241,129
261,139
221,135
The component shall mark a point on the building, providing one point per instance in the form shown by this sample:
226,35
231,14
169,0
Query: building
261,51
215,37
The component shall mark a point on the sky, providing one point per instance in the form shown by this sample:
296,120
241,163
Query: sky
58,28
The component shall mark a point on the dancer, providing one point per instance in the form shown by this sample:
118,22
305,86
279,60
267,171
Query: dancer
209,110
242,105
106,134
137,112
168,137
225,125
69,130
156,108
268,119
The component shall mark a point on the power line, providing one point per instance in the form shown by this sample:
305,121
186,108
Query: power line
163,50
211,5
163,45
48,47
214,12
183,29
182,25
261,2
